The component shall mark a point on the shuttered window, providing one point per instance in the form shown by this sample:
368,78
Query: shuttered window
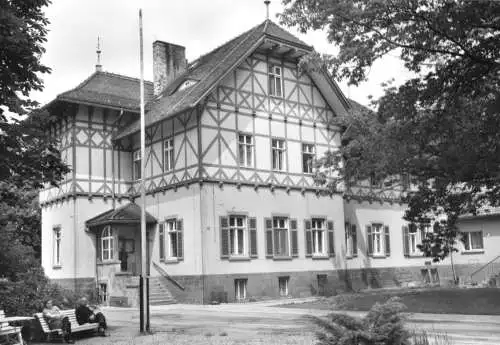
379,240
238,237
281,237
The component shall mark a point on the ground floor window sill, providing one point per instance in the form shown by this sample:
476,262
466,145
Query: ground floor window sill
472,252
378,256
239,258
320,257
170,261
281,258
108,262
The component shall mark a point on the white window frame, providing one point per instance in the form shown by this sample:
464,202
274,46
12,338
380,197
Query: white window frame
308,150
57,246
381,239
278,151
284,228
240,289
275,79
107,237
168,154
283,283
318,235
348,240
245,150
170,232
136,166
414,234
234,236
468,242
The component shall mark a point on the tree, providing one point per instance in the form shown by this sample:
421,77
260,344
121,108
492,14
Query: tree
30,158
440,127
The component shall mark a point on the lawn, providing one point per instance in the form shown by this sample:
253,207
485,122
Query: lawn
478,301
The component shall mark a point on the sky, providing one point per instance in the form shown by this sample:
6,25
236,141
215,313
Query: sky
198,25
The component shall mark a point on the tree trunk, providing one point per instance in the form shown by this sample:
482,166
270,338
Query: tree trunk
453,268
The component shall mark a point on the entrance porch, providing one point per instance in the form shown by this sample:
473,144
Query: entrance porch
118,253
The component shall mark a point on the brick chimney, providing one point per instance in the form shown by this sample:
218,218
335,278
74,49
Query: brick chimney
169,61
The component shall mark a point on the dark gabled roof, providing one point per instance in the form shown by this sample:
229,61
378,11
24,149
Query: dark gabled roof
109,89
128,214
208,70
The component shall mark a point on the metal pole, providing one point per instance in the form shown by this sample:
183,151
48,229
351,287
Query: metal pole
143,182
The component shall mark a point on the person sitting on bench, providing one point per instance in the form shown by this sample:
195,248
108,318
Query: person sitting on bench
84,314
56,320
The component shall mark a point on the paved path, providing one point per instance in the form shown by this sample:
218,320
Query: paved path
267,318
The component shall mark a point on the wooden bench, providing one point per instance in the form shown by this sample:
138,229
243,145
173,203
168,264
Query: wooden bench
7,330
75,327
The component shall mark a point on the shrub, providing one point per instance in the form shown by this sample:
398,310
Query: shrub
28,293
383,325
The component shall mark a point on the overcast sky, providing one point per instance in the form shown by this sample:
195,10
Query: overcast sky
199,25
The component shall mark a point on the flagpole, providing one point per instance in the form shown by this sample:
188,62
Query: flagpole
143,304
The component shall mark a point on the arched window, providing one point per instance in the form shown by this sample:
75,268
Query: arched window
107,244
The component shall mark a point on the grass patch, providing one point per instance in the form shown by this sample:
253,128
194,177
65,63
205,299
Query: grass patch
478,301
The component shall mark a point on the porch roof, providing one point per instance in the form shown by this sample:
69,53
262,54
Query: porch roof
127,214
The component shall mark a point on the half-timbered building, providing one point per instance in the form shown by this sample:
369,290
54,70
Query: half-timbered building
233,212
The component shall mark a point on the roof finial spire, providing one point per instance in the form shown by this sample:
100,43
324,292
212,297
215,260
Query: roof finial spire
98,66
267,2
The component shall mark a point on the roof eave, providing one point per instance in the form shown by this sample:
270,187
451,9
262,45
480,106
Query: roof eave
98,104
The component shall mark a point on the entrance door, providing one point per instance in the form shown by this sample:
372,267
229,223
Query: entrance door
122,254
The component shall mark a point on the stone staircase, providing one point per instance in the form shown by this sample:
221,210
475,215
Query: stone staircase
158,292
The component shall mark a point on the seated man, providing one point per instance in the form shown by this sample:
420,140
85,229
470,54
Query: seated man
56,320
84,314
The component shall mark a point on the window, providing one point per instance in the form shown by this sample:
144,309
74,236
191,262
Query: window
413,240
173,243
473,241
351,240
318,236
283,286
281,237
307,158
317,242
240,289
168,153
107,244
238,237
280,227
278,154
103,293
378,240
245,145
412,237
275,86
57,246
137,165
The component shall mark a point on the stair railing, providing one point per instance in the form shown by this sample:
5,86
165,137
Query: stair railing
166,275
487,265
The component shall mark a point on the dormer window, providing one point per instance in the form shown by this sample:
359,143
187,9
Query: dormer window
275,86
186,84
